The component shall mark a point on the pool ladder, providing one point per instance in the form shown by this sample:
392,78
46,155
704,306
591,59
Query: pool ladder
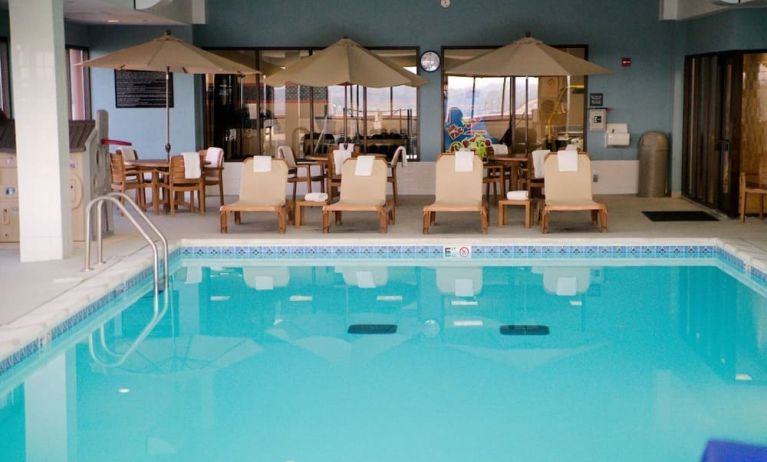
114,197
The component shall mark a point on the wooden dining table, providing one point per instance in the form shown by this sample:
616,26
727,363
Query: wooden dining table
513,163
155,167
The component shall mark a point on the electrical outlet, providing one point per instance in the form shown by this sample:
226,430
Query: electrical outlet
595,178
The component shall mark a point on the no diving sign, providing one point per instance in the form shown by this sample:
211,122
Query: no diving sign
456,251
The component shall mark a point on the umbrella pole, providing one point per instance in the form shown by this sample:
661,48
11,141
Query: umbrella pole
365,120
346,106
167,113
527,117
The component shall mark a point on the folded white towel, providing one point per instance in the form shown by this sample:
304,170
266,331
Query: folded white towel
500,149
213,155
191,165
262,164
568,161
316,197
364,165
346,147
264,283
538,156
464,161
464,288
365,280
339,156
567,286
128,153
516,195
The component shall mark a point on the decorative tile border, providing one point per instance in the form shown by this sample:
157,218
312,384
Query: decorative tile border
425,252
325,252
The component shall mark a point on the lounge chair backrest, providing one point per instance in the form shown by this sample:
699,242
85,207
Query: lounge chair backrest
264,188
459,188
569,186
286,153
364,190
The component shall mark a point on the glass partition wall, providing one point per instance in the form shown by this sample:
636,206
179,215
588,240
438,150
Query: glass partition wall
246,116
547,111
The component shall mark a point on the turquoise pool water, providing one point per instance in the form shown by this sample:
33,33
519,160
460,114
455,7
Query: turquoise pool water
256,363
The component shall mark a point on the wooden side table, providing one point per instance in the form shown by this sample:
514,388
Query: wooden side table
503,203
298,218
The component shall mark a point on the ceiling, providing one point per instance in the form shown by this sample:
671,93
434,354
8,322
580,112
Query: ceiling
104,12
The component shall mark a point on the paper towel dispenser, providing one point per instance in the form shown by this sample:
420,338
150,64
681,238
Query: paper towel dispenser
617,135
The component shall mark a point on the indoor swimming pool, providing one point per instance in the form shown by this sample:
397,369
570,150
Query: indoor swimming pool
402,360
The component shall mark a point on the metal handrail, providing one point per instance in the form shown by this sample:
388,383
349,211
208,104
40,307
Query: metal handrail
112,197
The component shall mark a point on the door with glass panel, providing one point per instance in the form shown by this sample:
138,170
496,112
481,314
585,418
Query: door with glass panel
712,115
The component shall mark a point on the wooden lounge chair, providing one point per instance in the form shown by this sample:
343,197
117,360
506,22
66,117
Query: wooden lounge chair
260,192
361,194
457,192
570,191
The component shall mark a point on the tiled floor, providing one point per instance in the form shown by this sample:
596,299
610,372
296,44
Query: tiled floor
27,286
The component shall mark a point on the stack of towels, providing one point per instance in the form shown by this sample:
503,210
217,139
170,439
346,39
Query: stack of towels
517,195
316,197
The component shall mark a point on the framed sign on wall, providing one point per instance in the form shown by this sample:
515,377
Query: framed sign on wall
142,89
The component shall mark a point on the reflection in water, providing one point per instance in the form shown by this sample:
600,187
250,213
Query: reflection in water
255,363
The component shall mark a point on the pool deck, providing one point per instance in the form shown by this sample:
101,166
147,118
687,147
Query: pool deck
35,295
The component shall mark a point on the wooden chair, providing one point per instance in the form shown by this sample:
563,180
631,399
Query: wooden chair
754,184
336,160
457,191
294,177
532,176
400,155
175,184
121,181
260,192
214,170
361,194
570,191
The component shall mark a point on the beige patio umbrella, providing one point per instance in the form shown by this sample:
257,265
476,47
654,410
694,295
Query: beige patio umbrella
526,57
345,63
169,54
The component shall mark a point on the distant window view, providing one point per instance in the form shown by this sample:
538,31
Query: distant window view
547,111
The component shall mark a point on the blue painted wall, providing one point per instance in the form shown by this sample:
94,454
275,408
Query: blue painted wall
145,128
640,95
742,29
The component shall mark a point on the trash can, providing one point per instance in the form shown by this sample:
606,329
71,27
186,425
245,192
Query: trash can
653,164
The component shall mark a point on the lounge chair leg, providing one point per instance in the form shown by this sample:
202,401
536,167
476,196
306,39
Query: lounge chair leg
281,220
237,218
221,190
483,220
594,216
224,219
392,214
338,218
325,221
433,219
426,221
383,220
201,195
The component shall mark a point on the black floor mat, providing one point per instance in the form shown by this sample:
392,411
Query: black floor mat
524,329
680,215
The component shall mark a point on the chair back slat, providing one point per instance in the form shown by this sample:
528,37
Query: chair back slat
286,153
459,188
118,167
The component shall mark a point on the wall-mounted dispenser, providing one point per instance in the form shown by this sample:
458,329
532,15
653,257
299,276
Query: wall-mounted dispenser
617,135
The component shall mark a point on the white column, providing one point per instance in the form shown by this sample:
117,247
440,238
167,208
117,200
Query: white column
40,108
